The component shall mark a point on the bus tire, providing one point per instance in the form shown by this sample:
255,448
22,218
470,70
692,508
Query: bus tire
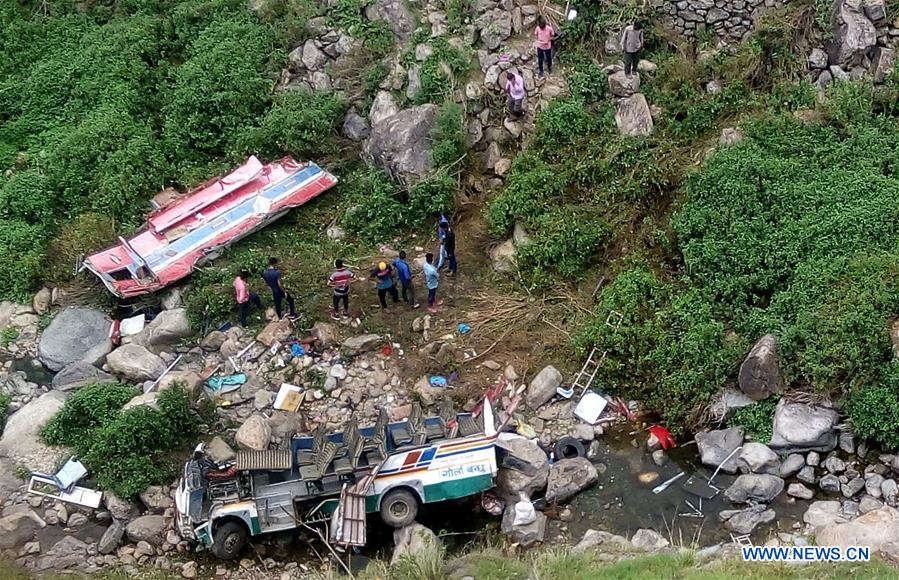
399,508
228,540
569,447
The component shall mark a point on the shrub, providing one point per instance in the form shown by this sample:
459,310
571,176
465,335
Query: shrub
874,410
564,123
561,245
85,411
375,209
447,137
530,188
5,400
757,419
22,255
438,71
586,79
27,196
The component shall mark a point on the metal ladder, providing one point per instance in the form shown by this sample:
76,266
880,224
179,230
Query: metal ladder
584,378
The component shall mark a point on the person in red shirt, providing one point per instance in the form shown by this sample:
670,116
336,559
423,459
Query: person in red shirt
544,33
244,297
340,280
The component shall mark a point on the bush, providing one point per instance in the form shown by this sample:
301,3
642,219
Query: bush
874,410
22,255
563,124
5,400
125,451
531,186
375,209
561,245
438,71
447,137
586,79
756,420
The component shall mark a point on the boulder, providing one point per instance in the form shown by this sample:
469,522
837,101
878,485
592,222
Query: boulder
853,33
190,381
219,451
878,530
817,59
255,434
852,487
715,447
21,441
395,13
213,341
75,334
526,535
401,143
883,63
277,330
633,117
355,127
792,465
543,386
325,334
824,513
829,483
890,491
593,538
834,464
803,427
121,509
502,256
80,374
622,85
873,485
135,362
169,327
869,504
524,470
356,345
496,27
649,540
68,552
150,529
760,375
800,491
746,520
157,498
758,458
754,487
112,538
18,529
313,58
382,107
413,540
568,477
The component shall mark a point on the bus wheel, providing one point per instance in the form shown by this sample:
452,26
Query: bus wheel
399,508
229,540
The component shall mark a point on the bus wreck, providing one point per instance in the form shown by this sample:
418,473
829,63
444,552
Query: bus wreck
185,231
335,480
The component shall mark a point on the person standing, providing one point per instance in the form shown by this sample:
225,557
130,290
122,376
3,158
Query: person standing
441,253
244,297
384,274
449,246
272,277
404,273
340,280
515,90
432,280
544,33
632,44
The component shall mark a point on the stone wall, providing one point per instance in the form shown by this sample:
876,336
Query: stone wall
729,19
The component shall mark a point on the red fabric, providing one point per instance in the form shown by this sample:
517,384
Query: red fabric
664,436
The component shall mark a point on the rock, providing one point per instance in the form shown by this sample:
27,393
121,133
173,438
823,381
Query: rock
758,458
883,63
496,27
543,386
429,395
730,136
869,504
122,510
502,256
148,399
412,540
715,446
791,465
172,299
189,570
729,400
633,117
111,538
713,87
532,473
382,108
829,483
213,341
648,477
823,513
75,334
277,330
834,464
255,434
760,375
18,528
746,520
754,487
190,381
150,529
413,82
157,498
853,33
852,487
817,59
526,535
219,451
800,491
355,127
622,85
873,483
568,477
876,529
824,79
890,491
875,10
395,13
168,327
646,66
838,73
42,300
649,540
593,538
325,334
263,399
66,553
135,362
313,58
80,374
659,457
356,345
813,458
21,441
76,520
803,427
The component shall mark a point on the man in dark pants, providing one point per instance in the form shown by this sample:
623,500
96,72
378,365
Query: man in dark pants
404,273
632,44
340,280
272,276
449,246
544,33
244,297
384,273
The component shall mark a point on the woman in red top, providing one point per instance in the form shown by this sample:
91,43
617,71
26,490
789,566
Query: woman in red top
544,33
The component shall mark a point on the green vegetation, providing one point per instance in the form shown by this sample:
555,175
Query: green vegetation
756,419
5,400
874,410
446,65
93,425
9,336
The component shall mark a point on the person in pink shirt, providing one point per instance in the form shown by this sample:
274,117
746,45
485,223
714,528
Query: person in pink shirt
515,90
244,297
544,33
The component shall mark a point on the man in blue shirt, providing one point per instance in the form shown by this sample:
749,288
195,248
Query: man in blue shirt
432,280
404,273
384,274
272,277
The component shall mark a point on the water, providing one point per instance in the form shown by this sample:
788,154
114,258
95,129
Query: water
621,504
